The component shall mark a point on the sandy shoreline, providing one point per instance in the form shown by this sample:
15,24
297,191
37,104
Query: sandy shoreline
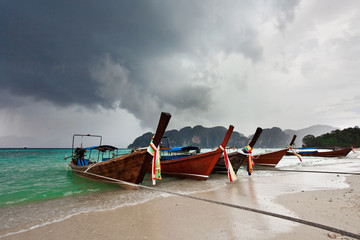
177,217
335,208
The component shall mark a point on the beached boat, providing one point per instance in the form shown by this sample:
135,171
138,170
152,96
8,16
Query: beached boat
129,168
271,159
198,166
315,152
236,158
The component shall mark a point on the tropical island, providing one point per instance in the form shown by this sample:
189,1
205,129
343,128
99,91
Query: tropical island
203,137
336,138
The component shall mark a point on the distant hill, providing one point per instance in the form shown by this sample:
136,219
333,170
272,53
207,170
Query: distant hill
337,138
273,138
198,136
212,137
315,130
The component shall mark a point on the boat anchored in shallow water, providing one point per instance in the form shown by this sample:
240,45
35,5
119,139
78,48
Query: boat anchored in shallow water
316,152
197,166
129,168
236,158
271,159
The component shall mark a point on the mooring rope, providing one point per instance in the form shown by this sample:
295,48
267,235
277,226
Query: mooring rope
298,220
91,166
309,171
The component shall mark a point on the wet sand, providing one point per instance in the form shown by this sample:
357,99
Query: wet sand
335,208
329,199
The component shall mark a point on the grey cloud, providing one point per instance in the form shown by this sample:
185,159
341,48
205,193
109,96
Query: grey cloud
93,53
285,12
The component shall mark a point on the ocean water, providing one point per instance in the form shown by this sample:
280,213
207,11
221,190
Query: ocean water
31,175
37,187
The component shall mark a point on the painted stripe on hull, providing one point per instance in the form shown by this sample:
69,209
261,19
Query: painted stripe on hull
187,175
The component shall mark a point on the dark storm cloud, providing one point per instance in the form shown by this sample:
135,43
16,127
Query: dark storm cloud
94,53
48,47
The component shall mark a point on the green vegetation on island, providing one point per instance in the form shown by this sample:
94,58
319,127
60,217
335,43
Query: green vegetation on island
337,138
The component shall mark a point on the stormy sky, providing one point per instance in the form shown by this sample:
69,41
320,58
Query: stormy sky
110,67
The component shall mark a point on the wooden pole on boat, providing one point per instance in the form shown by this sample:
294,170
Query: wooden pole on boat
255,137
292,151
163,122
292,141
227,136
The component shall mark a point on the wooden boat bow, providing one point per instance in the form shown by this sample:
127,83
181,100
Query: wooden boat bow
163,122
292,141
236,158
227,136
255,137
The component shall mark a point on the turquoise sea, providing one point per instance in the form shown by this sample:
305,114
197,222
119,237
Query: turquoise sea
37,187
30,175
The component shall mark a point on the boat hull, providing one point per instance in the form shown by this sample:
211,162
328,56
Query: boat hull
126,168
196,167
268,159
236,159
335,153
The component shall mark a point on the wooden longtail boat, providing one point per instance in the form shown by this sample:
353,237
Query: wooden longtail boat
236,158
129,168
314,152
271,159
198,166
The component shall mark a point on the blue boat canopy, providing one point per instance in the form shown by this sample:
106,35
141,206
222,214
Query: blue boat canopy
178,149
102,148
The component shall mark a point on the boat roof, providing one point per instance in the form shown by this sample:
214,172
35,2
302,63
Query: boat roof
185,148
102,148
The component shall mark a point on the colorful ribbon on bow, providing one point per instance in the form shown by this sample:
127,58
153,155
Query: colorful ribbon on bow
250,162
230,170
296,154
155,167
